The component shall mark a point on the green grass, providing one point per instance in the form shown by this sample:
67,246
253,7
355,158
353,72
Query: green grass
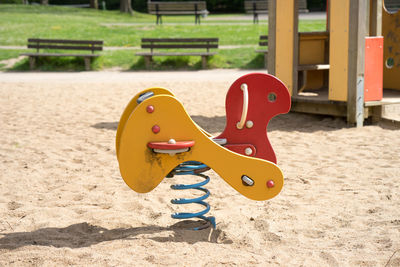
20,22
9,53
6,54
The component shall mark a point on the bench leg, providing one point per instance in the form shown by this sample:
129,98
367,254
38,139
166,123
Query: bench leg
147,61
255,18
159,19
204,61
197,19
32,62
87,63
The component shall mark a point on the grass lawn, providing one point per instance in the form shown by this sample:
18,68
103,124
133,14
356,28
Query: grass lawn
20,22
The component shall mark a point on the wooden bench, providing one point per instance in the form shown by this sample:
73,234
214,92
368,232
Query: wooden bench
197,8
178,43
256,7
55,44
313,60
263,42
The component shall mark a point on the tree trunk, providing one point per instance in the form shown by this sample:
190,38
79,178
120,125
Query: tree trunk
44,2
126,7
94,4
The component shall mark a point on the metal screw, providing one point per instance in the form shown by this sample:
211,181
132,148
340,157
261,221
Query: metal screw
249,124
248,151
247,180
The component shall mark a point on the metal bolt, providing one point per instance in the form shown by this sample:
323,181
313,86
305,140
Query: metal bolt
248,151
171,141
249,124
247,180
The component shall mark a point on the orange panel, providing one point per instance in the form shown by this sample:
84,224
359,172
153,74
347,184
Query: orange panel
373,79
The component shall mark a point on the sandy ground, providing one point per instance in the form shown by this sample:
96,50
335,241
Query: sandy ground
63,201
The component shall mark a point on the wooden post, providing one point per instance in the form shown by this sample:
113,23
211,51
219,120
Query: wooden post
357,31
338,49
295,47
376,114
286,44
375,18
271,36
94,4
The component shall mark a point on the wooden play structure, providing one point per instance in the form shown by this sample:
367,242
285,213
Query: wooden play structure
156,138
352,69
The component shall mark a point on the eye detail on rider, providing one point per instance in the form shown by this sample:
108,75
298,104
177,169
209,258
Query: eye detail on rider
272,97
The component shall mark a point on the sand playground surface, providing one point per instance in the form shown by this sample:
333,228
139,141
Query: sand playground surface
63,201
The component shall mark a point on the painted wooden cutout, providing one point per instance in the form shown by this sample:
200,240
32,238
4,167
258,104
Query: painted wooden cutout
160,122
267,97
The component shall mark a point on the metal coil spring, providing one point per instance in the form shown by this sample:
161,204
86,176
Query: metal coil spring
193,168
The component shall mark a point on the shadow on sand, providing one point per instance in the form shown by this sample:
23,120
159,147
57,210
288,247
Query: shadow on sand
292,121
84,235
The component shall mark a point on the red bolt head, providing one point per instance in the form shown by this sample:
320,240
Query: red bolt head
150,109
270,184
156,129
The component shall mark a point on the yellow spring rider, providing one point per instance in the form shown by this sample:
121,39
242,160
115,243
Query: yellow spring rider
156,138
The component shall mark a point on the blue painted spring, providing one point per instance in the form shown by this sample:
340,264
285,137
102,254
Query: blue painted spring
193,168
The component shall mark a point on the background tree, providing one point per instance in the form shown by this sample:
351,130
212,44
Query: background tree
94,4
126,6
44,2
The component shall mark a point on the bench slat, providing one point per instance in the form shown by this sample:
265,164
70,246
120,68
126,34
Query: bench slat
67,47
153,6
259,5
177,8
59,55
175,54
179,12
53,41
173,40
263,5
155,46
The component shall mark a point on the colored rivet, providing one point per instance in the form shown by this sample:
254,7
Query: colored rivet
249,124
270,184
156,129
150,109
248,151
